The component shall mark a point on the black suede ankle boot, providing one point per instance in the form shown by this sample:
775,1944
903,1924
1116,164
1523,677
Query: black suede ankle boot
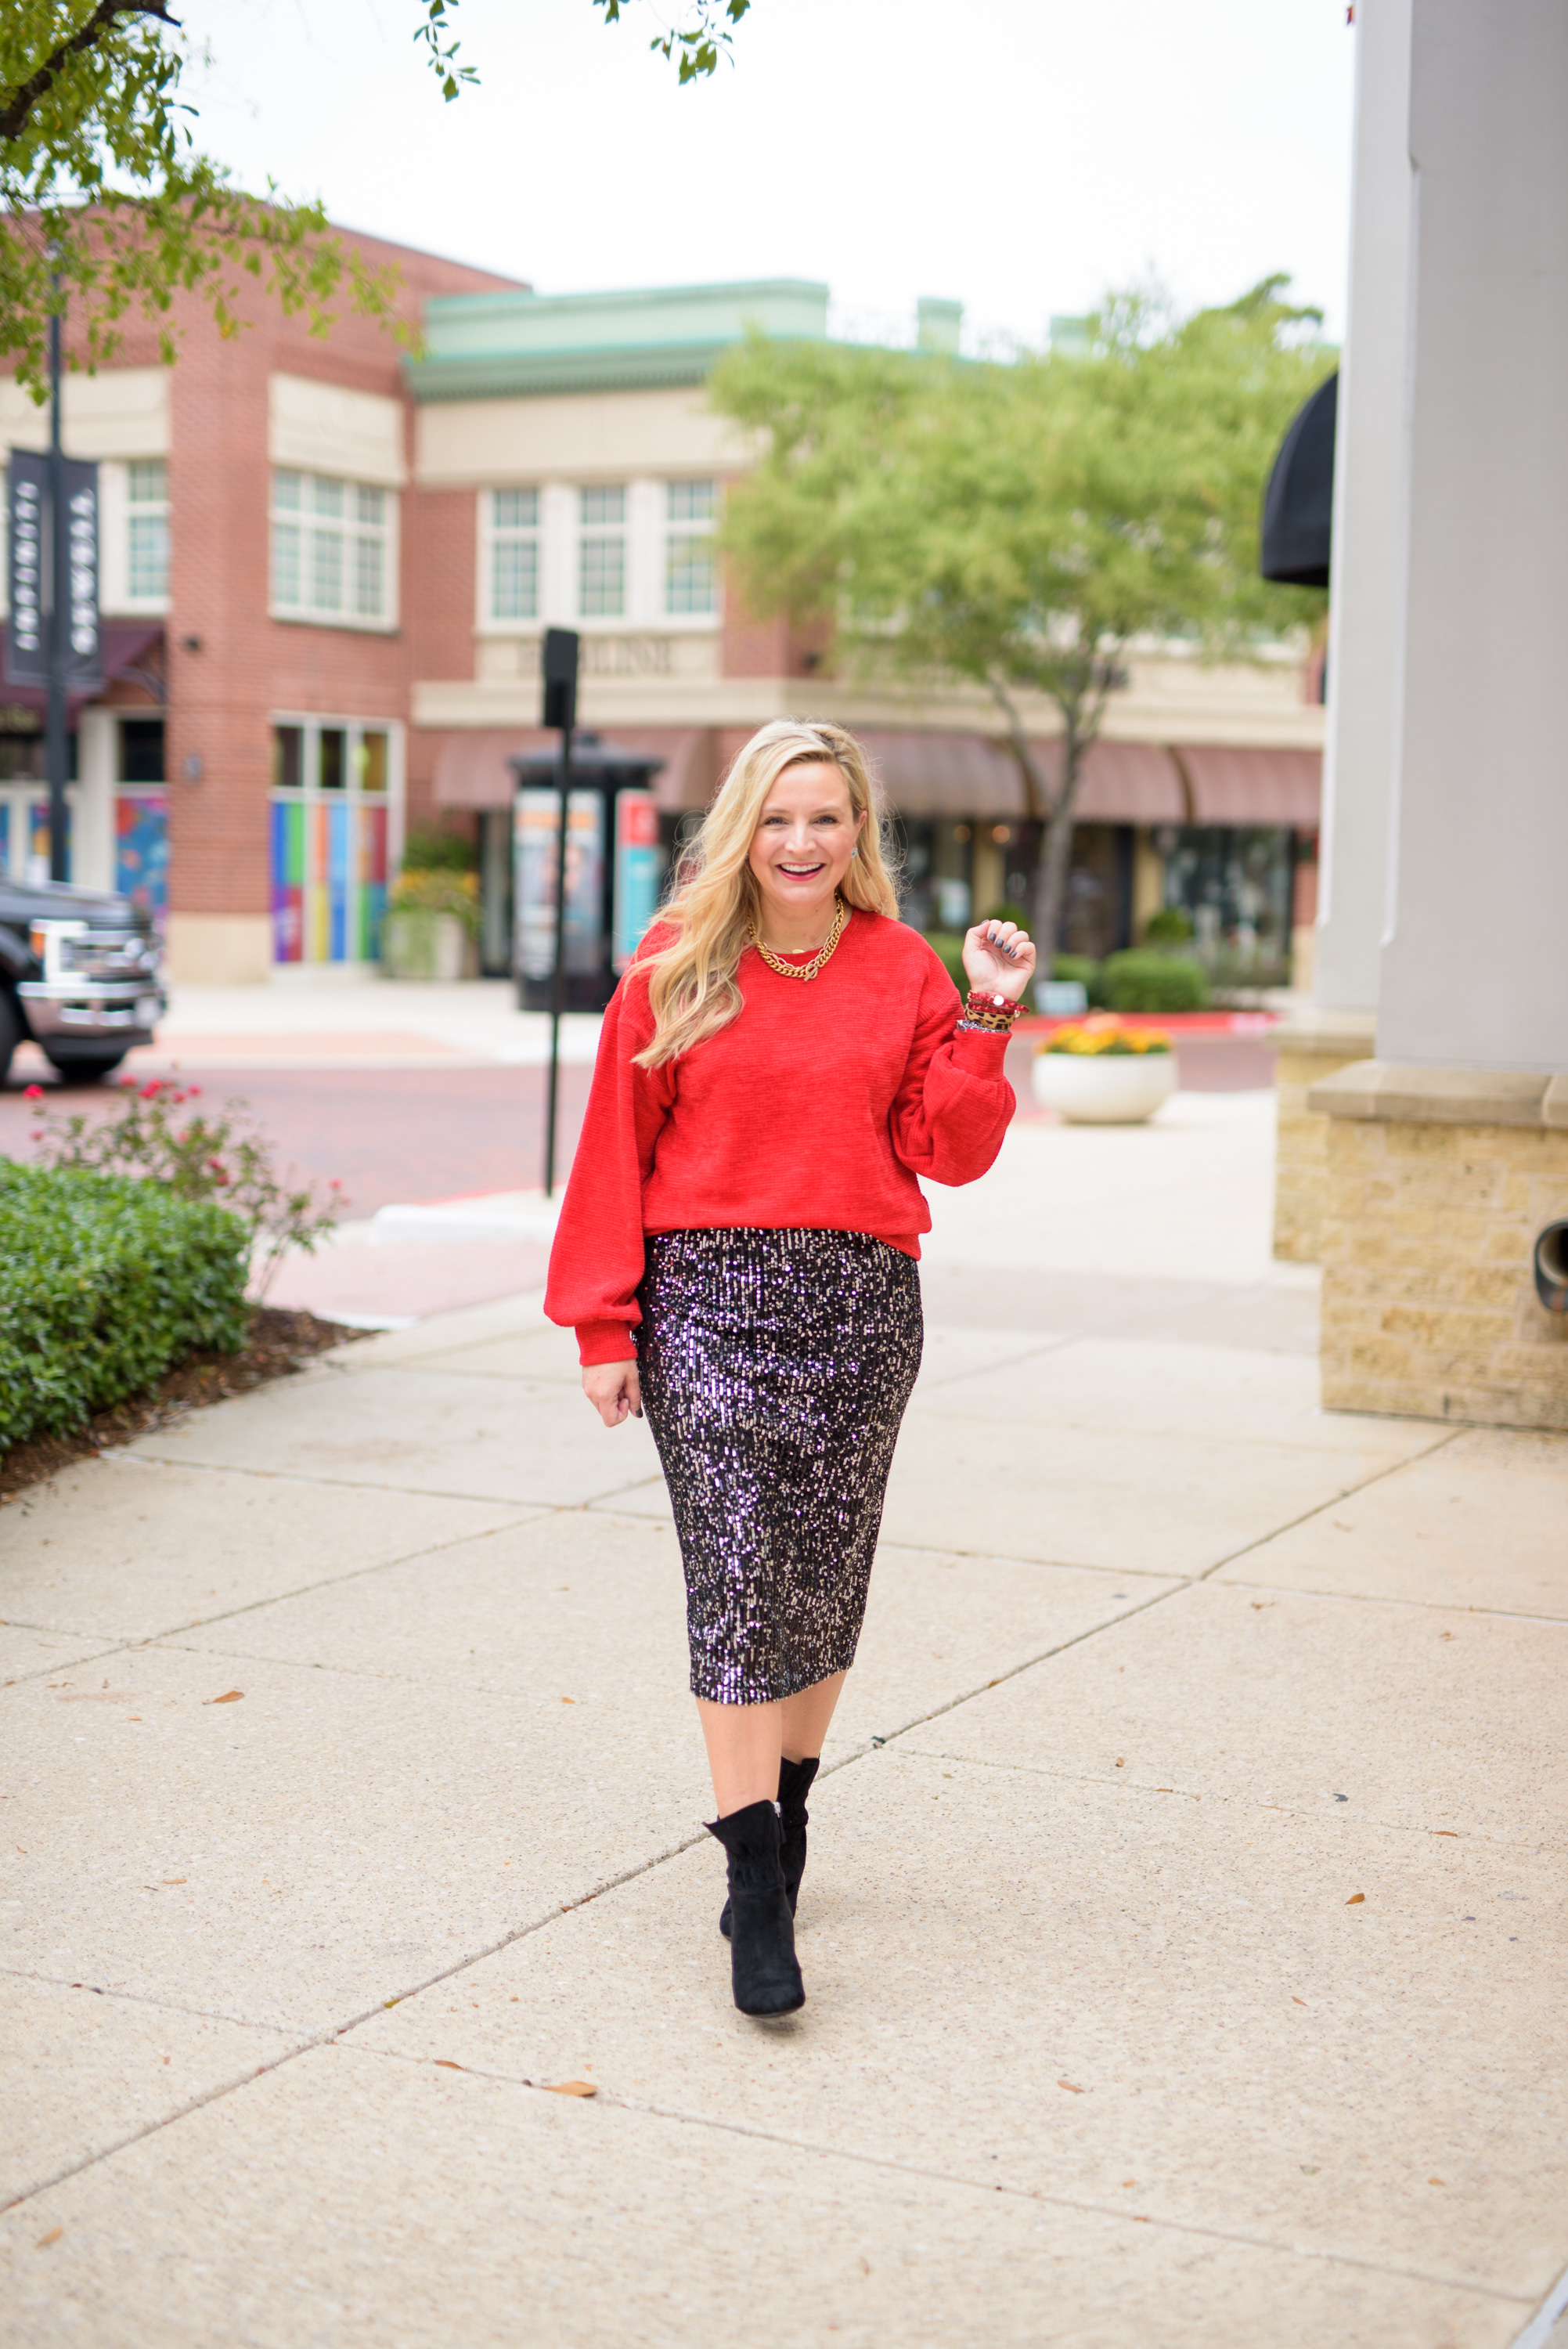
794,1785
763,1969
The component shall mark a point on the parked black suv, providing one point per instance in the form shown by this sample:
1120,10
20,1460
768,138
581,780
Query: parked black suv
78,974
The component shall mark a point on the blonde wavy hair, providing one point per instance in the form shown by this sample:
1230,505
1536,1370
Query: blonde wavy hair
716,905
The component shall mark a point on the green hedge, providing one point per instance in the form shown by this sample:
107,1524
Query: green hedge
949,945
105,1284
1140,980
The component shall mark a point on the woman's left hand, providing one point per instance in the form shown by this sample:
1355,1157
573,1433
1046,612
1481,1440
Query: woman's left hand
999,958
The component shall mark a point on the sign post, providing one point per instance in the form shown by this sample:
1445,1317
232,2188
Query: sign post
560,711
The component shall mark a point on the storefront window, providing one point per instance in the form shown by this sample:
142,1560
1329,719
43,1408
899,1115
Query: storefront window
1235,882
330,813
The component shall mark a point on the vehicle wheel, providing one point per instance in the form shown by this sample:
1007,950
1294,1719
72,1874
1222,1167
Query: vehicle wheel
85,1067
11,1032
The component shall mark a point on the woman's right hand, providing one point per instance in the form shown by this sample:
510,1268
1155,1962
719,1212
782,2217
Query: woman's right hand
614,1391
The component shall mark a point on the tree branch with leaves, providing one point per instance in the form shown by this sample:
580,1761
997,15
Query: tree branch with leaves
107,205
1020,527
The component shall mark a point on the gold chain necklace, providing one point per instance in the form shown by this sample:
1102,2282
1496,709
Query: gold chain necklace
808,970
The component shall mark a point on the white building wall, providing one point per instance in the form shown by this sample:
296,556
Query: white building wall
1368,524
1475,971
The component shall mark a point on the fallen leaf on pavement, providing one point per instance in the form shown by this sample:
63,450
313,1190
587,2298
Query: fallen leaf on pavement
1310,2169
1069,2087
1354,1899
569,2088
52,2237
173,1880
1437,2181
1296,2002
229,1696
568,1700
445,2064
1448,1831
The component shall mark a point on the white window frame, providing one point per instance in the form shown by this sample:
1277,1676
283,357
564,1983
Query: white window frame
701,527
646,531
619,532
495,533
350,527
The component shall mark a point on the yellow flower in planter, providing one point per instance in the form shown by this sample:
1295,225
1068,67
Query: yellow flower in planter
1095,1038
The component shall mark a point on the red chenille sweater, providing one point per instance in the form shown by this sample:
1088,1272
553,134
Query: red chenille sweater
817,1107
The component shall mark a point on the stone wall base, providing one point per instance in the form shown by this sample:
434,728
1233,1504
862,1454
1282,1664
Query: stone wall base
220,949
1428,1299
1309,1049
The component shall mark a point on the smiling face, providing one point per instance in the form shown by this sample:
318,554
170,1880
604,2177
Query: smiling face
800,851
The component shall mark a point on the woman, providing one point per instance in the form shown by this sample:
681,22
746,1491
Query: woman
736,1252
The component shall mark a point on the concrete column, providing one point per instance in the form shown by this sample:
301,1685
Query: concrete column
92,819
1475,969
1368,524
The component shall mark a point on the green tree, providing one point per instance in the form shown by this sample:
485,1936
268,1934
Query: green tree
1022,526
107,203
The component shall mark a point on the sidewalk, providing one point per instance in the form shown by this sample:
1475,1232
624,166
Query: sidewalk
1183,1926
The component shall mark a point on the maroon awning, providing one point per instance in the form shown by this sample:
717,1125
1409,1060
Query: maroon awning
125,644
473,769
971,775
1233,784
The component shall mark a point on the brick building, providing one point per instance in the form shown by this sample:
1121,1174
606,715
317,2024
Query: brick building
327,564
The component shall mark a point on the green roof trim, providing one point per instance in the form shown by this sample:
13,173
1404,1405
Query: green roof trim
488,346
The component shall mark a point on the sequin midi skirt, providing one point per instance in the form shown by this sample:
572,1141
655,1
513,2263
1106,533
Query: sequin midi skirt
775,1367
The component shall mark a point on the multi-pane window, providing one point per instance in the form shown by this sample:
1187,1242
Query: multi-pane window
515,554
602,553
691,584
147,545
330,552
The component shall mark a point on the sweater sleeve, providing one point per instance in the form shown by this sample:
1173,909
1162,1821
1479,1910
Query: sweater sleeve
596,1261
954,1105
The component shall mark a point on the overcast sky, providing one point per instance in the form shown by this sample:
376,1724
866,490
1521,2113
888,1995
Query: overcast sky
1019,155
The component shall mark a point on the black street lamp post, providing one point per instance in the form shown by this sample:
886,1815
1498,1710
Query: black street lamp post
55,746
560,711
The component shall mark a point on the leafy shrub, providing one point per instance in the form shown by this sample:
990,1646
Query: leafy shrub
1169,927
1088,974
221,1155
438,890
1138,981
949,945
436,851
1007,913
106,1283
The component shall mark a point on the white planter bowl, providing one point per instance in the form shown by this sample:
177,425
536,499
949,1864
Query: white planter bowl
1104,1088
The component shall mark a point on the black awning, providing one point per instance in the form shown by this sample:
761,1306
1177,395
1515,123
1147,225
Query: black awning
1298,505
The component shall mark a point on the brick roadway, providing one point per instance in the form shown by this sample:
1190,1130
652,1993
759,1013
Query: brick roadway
407,1135
387,1134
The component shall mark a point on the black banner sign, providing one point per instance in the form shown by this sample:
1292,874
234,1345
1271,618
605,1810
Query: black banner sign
31,569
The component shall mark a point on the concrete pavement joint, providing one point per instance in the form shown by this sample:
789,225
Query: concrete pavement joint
1214,1795
976,2186
1346,1493
72,1663
335,2031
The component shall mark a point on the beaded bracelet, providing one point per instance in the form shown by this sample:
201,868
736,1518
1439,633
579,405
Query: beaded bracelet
993,1014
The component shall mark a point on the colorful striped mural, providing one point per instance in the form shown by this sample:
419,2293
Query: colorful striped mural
329,877
141,849
288,880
